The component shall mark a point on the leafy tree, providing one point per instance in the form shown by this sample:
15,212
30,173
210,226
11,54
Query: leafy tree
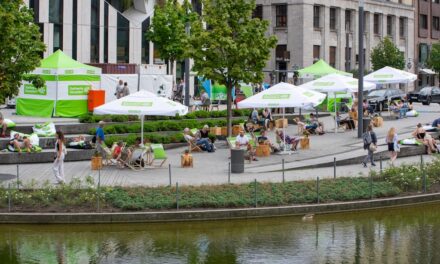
233,48
387,54
20,47
434,57
167,30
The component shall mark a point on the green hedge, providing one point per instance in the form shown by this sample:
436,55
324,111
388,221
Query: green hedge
90,118
242,195
82,196
151,137
168,125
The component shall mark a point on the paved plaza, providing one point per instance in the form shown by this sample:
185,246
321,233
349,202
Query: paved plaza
212,168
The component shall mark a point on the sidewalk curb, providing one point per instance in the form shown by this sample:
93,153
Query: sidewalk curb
205,215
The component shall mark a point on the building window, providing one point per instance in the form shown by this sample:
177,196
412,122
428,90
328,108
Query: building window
333,57
402,27
197,6
123,39
281,18
389,25
347,59
75,29
423,21
316,52
258,12
333,18
348,20
436,1
94,31
423,53
281,53
377,24
145,42
316,16
105,32
56,18
35,6
435,23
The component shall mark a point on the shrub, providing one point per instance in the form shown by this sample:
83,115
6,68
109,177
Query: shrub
151,137
242,195
405,177
90,118
165,125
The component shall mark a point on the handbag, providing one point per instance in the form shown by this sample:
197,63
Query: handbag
372,148
396,147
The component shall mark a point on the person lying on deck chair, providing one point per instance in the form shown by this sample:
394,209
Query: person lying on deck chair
202,142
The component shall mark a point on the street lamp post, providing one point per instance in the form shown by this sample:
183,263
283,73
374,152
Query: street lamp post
361,69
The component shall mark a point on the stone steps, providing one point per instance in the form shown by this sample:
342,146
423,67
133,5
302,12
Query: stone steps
47,155
45,142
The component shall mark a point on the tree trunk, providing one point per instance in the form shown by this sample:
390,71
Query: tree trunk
229,107
172,73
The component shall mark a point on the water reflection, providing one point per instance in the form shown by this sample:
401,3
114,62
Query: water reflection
405,235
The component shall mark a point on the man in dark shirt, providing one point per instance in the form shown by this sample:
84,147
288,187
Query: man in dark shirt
436,123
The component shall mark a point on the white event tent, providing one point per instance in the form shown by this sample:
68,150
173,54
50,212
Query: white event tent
390,75
283,95
337,83
142,103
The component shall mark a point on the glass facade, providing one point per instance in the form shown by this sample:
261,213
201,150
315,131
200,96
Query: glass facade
123,39
56,17
94,31
75,30
105,32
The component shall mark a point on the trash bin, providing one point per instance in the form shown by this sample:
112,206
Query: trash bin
365,123
237,160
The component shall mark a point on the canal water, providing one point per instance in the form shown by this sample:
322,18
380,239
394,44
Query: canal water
401,235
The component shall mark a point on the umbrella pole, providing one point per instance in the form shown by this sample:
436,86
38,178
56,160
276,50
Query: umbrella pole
142,129
284,130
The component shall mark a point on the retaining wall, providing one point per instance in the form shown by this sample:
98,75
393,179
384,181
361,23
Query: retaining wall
197,215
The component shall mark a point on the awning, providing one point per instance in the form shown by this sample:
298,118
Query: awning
426,71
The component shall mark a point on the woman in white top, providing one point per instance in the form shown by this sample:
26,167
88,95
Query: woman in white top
58,164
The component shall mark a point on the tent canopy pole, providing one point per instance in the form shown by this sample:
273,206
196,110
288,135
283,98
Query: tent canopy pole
336,120
142,129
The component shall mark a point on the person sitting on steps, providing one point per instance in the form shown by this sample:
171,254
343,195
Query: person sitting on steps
19,143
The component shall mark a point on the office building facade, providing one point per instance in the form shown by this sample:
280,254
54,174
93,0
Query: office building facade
308,30
427,32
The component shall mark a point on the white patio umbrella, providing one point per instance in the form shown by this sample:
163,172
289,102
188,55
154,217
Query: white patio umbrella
337,83
142,103
389,75
283,95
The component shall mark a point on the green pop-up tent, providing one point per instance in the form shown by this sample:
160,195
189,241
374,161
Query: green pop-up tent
320,69
65,93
